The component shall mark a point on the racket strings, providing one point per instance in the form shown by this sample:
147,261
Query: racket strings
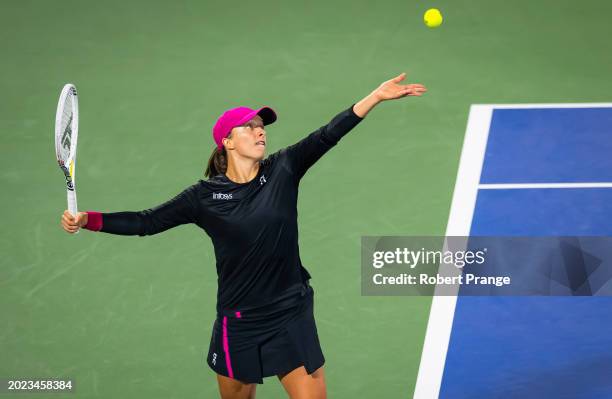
66,128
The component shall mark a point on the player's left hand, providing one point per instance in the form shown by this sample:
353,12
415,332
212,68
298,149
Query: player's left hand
392,89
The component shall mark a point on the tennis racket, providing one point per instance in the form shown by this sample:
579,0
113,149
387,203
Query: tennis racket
66,133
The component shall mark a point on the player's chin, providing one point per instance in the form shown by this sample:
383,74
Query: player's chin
259,152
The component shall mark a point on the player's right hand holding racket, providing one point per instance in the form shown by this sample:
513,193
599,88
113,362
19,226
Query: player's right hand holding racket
72,224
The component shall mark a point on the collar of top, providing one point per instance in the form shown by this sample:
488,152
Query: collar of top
236,117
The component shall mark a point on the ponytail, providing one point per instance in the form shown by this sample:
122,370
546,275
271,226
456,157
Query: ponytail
217,163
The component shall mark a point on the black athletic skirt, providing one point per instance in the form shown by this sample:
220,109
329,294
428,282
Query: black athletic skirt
251,343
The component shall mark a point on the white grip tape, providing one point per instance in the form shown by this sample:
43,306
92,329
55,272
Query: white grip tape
72,203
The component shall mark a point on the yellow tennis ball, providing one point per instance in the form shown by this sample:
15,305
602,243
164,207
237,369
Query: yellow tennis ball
433,18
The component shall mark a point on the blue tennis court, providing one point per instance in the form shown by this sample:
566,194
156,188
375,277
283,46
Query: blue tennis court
530,171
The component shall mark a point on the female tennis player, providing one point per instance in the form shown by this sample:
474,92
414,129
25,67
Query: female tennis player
248,206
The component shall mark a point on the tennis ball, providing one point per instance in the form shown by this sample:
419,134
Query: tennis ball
433,18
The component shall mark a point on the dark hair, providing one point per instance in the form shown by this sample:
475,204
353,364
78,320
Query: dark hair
217,163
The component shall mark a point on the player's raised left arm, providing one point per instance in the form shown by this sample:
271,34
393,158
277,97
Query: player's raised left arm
303,154
391,89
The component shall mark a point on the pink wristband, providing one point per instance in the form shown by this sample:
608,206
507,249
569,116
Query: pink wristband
94,221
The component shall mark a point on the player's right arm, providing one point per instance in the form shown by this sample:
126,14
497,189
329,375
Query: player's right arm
181,209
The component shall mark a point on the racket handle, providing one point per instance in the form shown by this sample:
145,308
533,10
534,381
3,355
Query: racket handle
72,203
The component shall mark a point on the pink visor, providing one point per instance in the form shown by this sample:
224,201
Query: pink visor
236,117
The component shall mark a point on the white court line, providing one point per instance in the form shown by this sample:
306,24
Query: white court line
511,186
551,105
442,310
439,326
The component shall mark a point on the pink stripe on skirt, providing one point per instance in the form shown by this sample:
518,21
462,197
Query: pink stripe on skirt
228,362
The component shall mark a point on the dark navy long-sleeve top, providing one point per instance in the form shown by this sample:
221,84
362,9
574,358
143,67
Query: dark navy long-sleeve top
253,225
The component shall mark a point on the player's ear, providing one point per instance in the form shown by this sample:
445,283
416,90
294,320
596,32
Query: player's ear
228,142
